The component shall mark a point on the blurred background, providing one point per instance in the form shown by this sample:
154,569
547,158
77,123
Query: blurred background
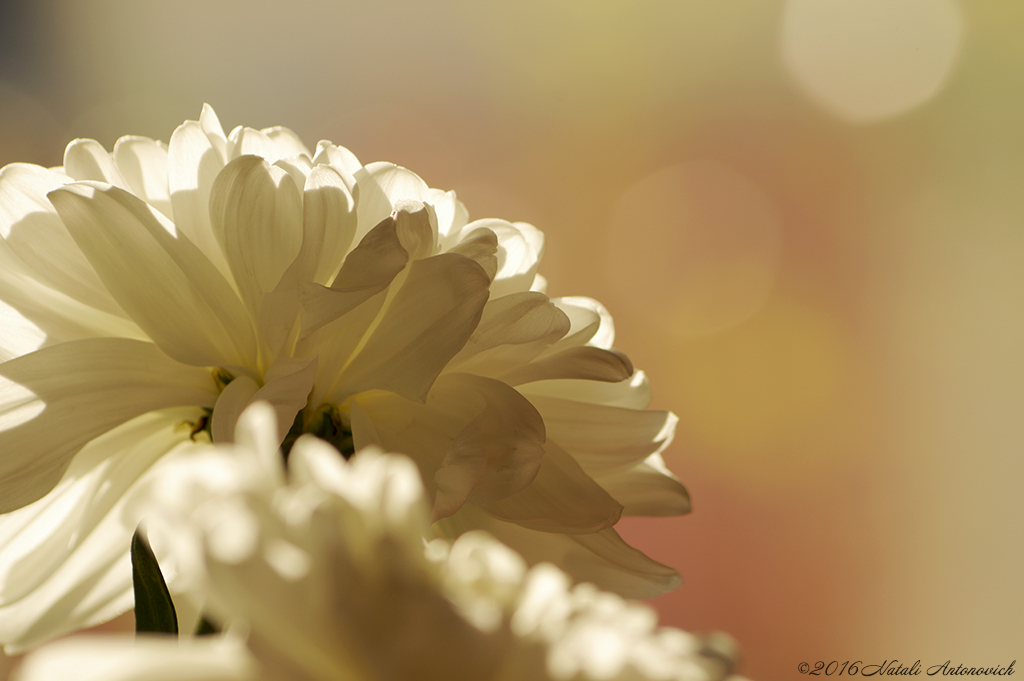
805,215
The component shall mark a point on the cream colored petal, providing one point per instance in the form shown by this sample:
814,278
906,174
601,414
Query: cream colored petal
591,323
20,335
328,225
416,226
210,124
160,278
117,658
194,158
562,498
602,558
451,217
277,322
340,157
243,141
33,231
496,454
256,211
55,400
540,284
35,539
58,551
632,394
512,331
288,384
87,160
336,342
143,163
231,402
605,439
368,269
378,187
588,363
286,142
425,325
298,167
520,247
480,245
55,315
648,489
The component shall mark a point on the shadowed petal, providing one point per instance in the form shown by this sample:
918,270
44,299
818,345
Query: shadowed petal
143,163
425,325
648,488
55,400
256,212
561,498
55,550
160,278
194,157
33,231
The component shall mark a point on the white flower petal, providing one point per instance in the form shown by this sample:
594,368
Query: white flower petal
86,159
258,431
632,394
480,245
601,558
591,323
58,317
231,402
416,226
33,230
63,559
451,217
379,186
143,163
110,658
496,454
520,247
257,216
647,489
342,158
587,363
605,439
329,224
55,400
288,384
562,498
512,331
20,335
425,325
194,158
160,278
368,269
210,124
286,143
245,141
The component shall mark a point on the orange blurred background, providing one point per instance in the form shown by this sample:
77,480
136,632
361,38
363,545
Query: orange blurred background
805,215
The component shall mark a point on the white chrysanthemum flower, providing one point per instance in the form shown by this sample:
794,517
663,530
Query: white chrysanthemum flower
326,572
162,284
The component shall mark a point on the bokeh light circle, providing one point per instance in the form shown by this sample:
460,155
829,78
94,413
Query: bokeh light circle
868,60
694,248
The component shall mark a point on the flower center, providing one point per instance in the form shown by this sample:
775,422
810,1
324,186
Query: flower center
327,424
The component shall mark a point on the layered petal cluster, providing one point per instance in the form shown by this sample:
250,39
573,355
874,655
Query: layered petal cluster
150,294
324,575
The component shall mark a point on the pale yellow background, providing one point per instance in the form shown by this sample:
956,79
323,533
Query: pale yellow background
809,229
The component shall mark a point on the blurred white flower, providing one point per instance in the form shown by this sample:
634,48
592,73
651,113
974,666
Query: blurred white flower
167,284
334,582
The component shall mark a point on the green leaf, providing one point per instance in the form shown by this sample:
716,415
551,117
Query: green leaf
154,610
